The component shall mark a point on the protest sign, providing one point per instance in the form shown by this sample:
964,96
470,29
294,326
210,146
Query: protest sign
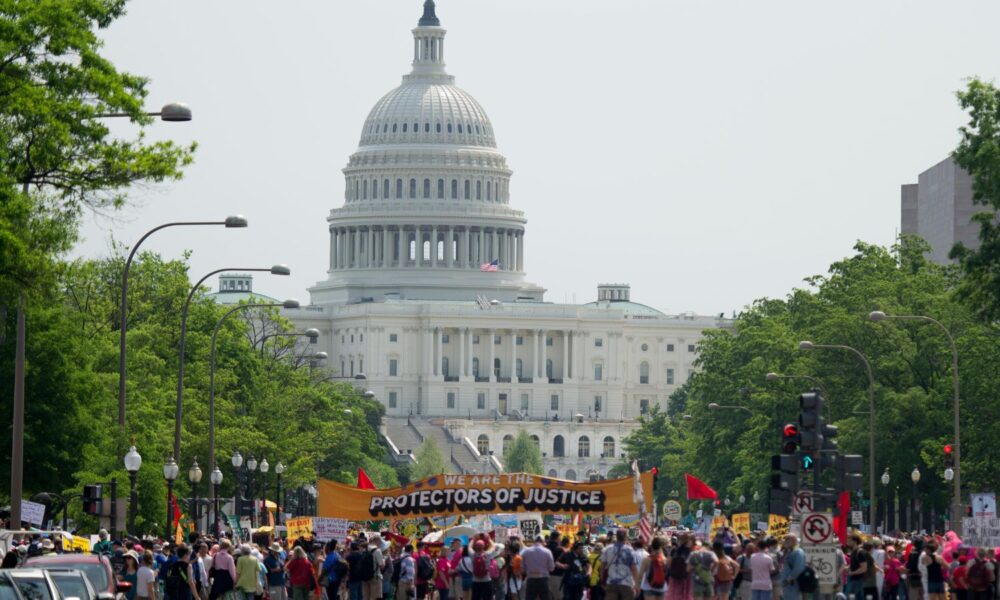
777,526
981,532
330,529
741,523
299,527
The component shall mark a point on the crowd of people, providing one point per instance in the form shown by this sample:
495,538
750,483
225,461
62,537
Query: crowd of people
671,566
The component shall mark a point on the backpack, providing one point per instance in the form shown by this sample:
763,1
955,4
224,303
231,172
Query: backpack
480,569
425,568
979,578
701,572
657,575
912,567
727,570
807,580
678,566
176,578
397,570
366,566
494,570
617,569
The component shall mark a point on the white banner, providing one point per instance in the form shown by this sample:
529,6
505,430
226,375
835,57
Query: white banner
330,529
32,512
981,532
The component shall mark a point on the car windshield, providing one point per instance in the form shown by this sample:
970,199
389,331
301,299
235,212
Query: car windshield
95,571
7,590
33,588
71,585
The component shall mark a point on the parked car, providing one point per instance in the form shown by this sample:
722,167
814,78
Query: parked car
97,568
9,589
35,584
75,583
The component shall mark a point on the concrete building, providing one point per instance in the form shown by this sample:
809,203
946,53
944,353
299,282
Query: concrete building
426,294
939,208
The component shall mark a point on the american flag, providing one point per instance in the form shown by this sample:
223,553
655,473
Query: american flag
490,267
645,528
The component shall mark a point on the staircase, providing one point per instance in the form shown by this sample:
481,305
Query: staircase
408,433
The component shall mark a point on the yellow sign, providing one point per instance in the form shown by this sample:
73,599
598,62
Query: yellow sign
73,543
741,523
717,524
486,494
568,531
178,534
777,526
299,527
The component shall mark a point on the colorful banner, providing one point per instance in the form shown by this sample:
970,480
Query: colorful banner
777,526
626,521
442,495
72,543
299,527
741,523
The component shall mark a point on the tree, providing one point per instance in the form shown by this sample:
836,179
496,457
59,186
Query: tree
523,455
430,461
978,152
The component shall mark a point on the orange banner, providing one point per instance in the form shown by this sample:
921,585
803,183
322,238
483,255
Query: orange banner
485,494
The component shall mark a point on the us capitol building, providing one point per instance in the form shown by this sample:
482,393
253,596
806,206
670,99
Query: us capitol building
459,352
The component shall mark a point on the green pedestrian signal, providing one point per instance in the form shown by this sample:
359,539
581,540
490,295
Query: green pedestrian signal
807,462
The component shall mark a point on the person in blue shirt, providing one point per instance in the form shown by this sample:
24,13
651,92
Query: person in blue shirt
275,568
333,570
794,565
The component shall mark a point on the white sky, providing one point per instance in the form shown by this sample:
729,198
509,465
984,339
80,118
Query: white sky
706,152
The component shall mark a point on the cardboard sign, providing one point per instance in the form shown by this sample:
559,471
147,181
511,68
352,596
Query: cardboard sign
32,512
741,523
530,528
330,529
983,505
717,524
981,532
446,494
777,526
299,527
672,510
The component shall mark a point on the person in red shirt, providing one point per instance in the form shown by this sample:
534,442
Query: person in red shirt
960,578
301,576
893,571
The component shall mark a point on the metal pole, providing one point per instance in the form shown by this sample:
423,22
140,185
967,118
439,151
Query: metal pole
218,524
114,508
194,508
277,501
132,499
170,512
17,450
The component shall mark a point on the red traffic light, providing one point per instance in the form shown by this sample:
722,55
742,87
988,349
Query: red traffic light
791,430
948,448
655,471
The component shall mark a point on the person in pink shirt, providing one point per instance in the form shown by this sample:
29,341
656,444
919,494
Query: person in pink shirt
442,577
455,557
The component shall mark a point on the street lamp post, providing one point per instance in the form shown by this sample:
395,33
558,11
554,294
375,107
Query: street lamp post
290,304
956,500
807,345
236,221
251,469
237,461
179,408
216,479
264,468
194,478
717,406
278,470
885,494
133,460
917,509
170,471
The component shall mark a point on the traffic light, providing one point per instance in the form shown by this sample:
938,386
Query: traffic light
849,472
790,439
949,456
92,499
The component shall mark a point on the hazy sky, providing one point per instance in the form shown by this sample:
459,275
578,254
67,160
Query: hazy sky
706,152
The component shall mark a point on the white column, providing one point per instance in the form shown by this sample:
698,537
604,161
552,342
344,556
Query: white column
440,357
449,247
418,238
482,248
578,354
468,359
429,350
565,371
513,355
434,246
463,260
461,353
402,246
333,249
509,250
533,365
520,252
545,351
357,248
495,250
386,247
493,348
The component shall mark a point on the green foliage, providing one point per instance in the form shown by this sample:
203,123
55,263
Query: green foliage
430,461
523,455
731,450
979,154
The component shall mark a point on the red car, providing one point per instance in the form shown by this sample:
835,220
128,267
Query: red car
97,568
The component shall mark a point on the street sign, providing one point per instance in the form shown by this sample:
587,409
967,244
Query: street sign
817,528
857,517
823,560
803,503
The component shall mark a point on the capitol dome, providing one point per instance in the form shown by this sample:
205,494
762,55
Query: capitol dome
426,211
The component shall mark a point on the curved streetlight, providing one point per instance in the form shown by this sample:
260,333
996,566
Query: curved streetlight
807,345
172,112
717,406
179,408
133,461
956,501
232,222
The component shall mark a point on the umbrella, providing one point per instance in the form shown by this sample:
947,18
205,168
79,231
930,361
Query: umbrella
462,532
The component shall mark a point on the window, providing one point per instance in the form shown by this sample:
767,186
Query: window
399,188
427,127
691,348
362,339
475,339
598,372
427,188
385,189
483,444
451,399
341,339
440,189
538,443
460,128
413,188
439,128
404,127
597,405
670,376
519,340
548,368
609,447
393,338
393,399
558,447
598,342
449,127
548,341
343,370
475,367
519,366
352,367
444,366
507,439
496,367
644,406
552,473
645,347
524,404
374,189
352,338
394,128
393,367
583,447
468,186
644,372
554,402
670,347
454,189
479,190
496,340
445,338
481,400
361,365
489,190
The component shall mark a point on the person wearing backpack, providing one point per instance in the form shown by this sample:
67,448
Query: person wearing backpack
479,561
653,571
725,572
179,581
596,589
425,571
333,573
793,568
914,583
980,577
620,571
703,564
405,574
678,572
576,569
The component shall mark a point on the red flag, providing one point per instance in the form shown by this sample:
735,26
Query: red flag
698,489
177,511
840,521
364,483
